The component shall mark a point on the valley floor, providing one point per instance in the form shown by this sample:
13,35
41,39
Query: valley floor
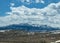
18,36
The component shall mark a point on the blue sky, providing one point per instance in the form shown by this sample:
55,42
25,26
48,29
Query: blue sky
5,5
39,12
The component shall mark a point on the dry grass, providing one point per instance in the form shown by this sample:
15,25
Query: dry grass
16,37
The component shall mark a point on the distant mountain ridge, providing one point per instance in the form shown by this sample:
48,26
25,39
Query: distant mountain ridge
27,27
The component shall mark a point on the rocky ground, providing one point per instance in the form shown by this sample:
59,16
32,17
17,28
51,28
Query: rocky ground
18,36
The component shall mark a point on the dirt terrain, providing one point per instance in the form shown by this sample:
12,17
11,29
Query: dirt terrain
18,36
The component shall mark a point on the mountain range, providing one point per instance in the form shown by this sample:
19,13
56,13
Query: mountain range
27,27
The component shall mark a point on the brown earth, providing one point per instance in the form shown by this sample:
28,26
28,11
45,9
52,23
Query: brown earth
17,36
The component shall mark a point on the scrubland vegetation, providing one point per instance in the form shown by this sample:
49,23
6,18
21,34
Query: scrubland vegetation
18,36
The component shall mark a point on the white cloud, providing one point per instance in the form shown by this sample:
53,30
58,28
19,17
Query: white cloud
12,4
40,1
32,1
49,15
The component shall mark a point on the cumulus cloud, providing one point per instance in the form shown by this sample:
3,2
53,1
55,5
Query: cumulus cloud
12,4
49,15
40,1
32,1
